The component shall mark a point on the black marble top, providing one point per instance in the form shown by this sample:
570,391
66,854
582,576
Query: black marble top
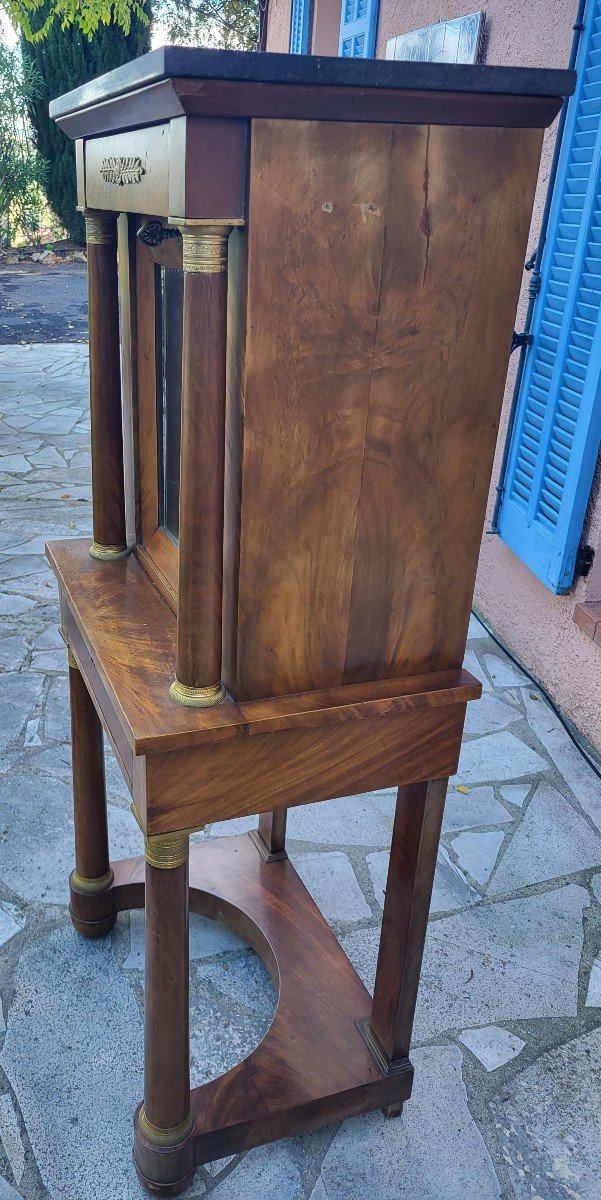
252,67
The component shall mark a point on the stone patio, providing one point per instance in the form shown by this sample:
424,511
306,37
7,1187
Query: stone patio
508,1030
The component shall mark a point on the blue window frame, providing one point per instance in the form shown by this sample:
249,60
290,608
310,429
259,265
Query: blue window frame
358,28
299,27
557,430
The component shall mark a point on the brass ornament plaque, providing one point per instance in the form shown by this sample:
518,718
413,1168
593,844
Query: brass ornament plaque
122,169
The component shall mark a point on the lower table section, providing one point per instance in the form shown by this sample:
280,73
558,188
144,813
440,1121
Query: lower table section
313,1066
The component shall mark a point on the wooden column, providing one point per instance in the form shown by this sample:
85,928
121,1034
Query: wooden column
91,907
165,1119
108,492
198,671
415,839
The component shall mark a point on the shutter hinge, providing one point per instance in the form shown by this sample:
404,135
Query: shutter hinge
520,339
584,560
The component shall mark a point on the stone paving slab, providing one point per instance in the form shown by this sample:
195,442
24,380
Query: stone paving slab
548,1126
492,1046
473,808
508,1020
508,961
552,841
434,1150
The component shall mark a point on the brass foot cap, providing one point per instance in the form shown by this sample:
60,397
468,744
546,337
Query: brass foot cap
199,697
108,553
164,1137
92,886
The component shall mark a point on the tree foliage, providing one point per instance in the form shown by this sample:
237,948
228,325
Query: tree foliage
228,23
71,41
35,18
65,59
232,24
22,172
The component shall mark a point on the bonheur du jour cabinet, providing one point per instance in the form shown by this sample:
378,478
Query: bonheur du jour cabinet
303,276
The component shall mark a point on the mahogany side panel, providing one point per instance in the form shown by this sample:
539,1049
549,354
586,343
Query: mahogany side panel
372,391
310,339
460,221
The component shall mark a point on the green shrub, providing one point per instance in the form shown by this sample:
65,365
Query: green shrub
22,171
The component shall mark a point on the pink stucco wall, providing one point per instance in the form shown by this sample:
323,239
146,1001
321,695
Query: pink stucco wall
278,25
535,624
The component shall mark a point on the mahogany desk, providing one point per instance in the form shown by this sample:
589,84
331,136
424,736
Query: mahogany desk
303,275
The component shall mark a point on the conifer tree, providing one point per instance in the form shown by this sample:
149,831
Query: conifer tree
65,59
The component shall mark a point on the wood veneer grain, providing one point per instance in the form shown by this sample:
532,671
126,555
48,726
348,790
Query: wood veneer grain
129,635
371,390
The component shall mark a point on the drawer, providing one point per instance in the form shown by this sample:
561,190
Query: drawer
129,172
187,167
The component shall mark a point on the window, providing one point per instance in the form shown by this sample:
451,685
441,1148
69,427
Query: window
557,429
299,27
358,28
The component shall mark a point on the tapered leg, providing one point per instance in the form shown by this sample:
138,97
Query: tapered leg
415,839
163,1148
91,904
270,837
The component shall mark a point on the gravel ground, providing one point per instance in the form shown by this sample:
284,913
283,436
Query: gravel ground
43,304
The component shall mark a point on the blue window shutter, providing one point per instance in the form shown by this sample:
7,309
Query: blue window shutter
358,28
557,430
299,27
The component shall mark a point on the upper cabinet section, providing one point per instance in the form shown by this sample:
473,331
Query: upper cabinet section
181,81
184,168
